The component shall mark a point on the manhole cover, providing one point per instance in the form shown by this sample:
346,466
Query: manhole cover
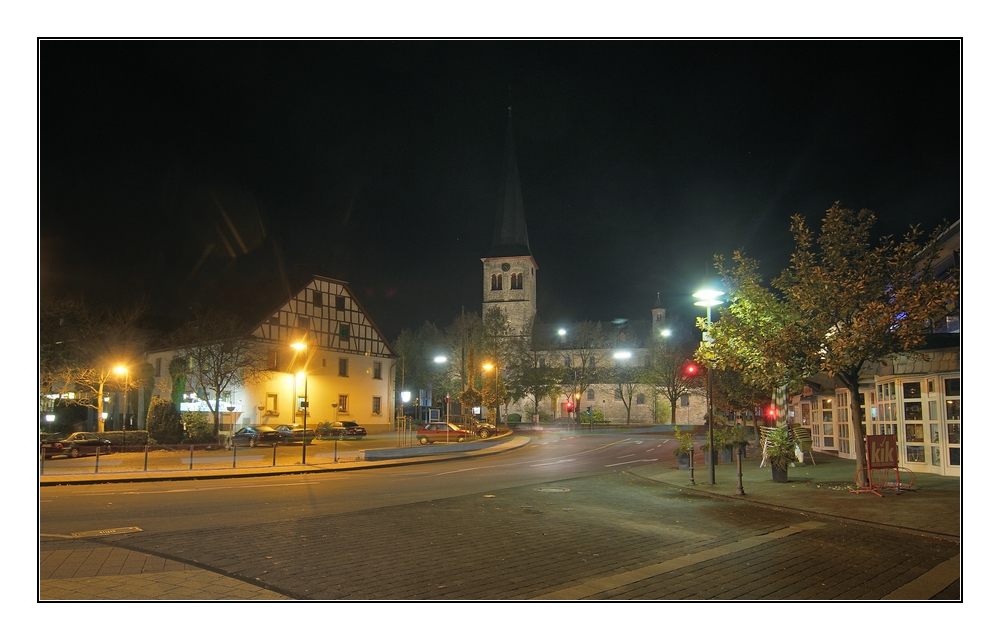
552,490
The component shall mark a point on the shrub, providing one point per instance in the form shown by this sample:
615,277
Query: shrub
513,418
129,438
164,422
197,429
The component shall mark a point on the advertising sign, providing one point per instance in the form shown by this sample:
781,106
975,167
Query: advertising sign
883,452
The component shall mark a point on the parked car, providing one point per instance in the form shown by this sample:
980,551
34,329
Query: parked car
50,444
254,436
83,443
344,430
442,432
480,428
292,434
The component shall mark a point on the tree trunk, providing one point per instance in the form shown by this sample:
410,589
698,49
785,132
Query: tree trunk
673,412
857,423
100,408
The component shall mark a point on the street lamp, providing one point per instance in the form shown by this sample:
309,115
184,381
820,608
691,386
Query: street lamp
708,298
496,379
120,370
299,347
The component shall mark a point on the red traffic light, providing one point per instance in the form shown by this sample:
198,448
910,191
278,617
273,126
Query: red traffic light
569,406
690,370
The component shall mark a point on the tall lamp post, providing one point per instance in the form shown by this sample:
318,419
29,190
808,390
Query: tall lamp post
708,298
496,380
300,347
122,370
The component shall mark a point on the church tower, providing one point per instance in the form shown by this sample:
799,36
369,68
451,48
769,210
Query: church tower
509,268
659,316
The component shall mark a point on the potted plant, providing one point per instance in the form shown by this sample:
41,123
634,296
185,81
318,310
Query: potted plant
779,451
720,444
685,444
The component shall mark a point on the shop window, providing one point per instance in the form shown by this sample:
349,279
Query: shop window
914,454
911,389
952,386
953,409
915,433
913,411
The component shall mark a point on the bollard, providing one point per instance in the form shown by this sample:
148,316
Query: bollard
145,459
233,445
191,459
274,455
97,458
691,466
739,472
334,451
42,471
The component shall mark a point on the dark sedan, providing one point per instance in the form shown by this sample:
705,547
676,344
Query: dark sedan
81,443
255,436
344,430
293,434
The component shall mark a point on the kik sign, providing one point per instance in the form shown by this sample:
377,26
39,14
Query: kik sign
883,452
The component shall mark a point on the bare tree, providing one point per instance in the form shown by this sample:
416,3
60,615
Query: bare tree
83,350
221,355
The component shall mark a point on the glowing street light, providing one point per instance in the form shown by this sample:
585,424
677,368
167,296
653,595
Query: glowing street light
123,370
300,347
496,378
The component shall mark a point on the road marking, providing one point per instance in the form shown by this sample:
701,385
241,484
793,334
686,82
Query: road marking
546,464
930,583
457,471
195,489
627,455
632,462
598,585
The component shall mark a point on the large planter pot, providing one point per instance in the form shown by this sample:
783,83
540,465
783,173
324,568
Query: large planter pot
715,458
684,461
778,474
726,454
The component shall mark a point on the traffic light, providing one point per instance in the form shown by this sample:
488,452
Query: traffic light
690,370
569,406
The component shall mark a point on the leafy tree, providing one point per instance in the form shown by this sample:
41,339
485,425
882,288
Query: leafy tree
843,302
222,355
532,377
163,422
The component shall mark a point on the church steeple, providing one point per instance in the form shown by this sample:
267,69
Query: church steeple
509,268
510,233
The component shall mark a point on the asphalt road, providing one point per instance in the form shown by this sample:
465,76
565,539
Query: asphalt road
558,519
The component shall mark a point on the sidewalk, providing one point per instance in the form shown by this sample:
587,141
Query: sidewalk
931,507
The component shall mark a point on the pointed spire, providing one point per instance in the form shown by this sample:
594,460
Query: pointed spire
658,305
510,235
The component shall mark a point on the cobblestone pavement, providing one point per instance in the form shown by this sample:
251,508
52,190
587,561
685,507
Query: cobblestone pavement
615,536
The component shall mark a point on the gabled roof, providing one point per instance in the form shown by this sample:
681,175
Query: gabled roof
510,234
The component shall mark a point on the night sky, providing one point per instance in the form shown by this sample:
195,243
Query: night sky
164,164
